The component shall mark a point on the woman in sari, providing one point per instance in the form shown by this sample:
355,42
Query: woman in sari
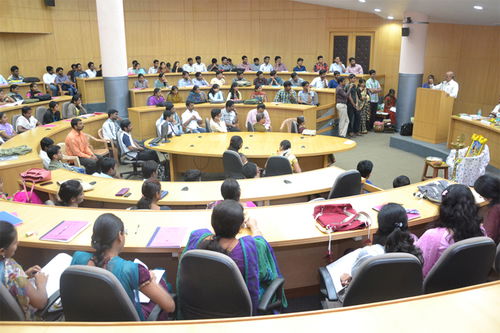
252,254
364,105
108,240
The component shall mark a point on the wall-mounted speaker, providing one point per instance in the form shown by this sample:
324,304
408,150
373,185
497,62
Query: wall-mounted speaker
405,32
51,3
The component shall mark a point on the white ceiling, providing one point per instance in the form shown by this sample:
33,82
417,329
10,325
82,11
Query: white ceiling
444,11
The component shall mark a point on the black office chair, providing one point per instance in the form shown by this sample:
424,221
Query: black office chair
14,121
379,278
277,166
200,295
64,112
497,259
39,113
294,128
207,125
9,308
347,183
95,294
233,166
127,160
250,127
465,263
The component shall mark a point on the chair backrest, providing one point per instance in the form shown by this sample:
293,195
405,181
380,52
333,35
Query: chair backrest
9,308
63,147
94,294
65,107
277,166
100,134
40,111
497,259
347,183
250,127
233,166
14,121
200,295
465,263
207,125
385,277
294,128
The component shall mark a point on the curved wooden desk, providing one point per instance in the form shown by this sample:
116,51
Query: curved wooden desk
11,111
199,194
204,151
402,315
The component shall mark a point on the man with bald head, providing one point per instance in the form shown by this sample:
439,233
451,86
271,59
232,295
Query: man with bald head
449,85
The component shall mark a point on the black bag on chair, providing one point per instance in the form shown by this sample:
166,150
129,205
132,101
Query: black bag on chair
44,97
31,79
406,129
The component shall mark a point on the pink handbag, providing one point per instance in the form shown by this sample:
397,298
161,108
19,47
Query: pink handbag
34,175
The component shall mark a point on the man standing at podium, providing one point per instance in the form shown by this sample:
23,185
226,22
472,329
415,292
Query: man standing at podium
449,85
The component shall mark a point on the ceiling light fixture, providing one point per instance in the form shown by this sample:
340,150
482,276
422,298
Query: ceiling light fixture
378,10
362,1
478,7
390,17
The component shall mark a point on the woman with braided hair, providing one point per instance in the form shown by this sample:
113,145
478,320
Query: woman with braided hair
108,240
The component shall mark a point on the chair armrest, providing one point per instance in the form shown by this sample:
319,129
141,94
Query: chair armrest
274,289
327,288
74,159
153,316
51,301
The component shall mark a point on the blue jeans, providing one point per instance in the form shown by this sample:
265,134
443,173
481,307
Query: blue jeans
71,89
54,89
199,130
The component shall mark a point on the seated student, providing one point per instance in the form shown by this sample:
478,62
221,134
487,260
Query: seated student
29,296
156,98
489,188
199,80
4,99
196,96
353,67
307,96
156,67
55,155
161,82
137,69
14,93
458,220
278,65
365,168
106,168
132,148
52,114
400,181
235,143
252,116
70,193
333,83
149,170
244,66
111,126
301,124
266,66
255,66
286,95
191,119
64,83
216,122
285,150
108,240
231,190
320,81
169,123
199,66
320,65
45,143
259,126
77,144
15,77
252,254
390,102
188,67
250,170
392,236
141,82
192,175
174,96
274,80
33,92
230,117
234,93
430,82
6,130
240,80
213,67
26,121
337,66
75,107
91,71
295,80
176,67
79,73
215,95
300,66
185,81
218,79
259,94
225,66
151,194
260,79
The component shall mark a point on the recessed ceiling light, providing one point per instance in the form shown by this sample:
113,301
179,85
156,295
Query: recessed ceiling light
363,1
478,7
390,17
378,10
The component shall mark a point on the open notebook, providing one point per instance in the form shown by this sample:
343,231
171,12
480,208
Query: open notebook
54,270
158,274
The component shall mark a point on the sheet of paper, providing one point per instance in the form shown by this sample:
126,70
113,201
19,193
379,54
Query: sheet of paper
342,265
158,274
54,270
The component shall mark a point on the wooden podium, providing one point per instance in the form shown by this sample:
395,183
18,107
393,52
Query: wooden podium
433,110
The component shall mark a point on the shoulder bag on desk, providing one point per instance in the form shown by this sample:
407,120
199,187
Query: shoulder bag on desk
34,175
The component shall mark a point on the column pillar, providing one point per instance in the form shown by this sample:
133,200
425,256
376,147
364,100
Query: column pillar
110,19
411,65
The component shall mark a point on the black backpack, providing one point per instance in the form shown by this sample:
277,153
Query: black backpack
31,79
406,129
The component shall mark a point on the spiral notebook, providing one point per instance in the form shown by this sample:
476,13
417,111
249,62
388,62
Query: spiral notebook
65,231
168,237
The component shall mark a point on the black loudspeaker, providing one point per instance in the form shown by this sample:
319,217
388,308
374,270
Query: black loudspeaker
405,32
51,3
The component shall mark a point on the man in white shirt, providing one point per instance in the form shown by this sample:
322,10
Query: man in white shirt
449,85
154,69
26,121
337,65
189,66
91,72
111,126
230,117
320,81
45,143
191,119
218,79
496,110
199,66
266,66
48,79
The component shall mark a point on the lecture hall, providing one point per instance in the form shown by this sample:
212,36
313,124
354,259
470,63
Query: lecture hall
236,165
